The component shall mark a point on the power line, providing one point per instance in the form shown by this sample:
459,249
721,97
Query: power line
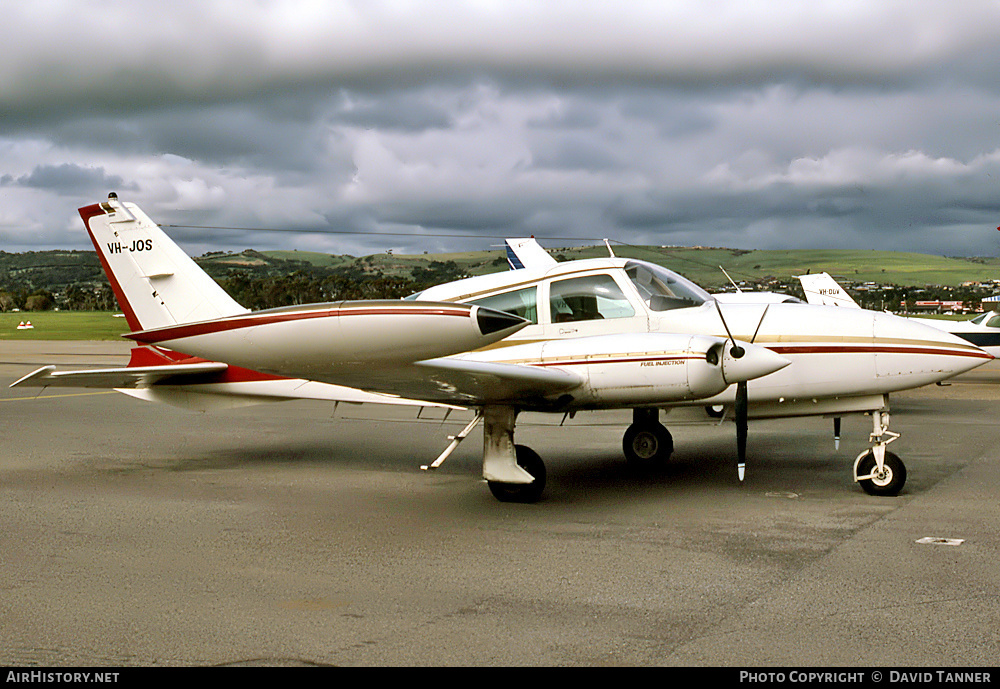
358,232
452,235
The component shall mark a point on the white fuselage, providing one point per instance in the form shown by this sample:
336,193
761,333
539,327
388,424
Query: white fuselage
837,355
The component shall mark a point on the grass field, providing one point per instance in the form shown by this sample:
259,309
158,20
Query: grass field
62,325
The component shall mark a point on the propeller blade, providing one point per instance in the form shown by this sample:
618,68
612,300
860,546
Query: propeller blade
741,429
736,351
740,408
759,323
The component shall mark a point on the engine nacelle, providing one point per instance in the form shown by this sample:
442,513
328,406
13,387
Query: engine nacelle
653,368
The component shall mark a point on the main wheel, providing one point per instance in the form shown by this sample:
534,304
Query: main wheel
528,460
889,482
647,444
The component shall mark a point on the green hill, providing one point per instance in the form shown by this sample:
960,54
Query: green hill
55,270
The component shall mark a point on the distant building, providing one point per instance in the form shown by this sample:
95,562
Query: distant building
937,306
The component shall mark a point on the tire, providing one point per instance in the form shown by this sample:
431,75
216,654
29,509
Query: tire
528,460
715,410
890,483
647,445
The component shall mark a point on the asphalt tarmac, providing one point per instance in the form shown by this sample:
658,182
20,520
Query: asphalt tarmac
136,534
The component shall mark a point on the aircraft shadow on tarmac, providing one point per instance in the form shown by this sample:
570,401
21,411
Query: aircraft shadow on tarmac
592,474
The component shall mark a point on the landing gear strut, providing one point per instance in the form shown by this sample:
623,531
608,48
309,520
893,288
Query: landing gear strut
878,471
647,442
514,473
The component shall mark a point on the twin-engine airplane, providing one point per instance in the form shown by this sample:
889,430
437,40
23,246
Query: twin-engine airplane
841,360
198,348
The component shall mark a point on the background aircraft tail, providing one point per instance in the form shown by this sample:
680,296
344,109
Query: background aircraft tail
156,283
527,253
820,288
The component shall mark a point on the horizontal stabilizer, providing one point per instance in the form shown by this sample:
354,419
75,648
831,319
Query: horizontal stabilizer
131,377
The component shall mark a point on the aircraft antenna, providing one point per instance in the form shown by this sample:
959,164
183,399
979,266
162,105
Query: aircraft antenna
730,279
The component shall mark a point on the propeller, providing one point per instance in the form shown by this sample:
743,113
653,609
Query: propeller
740,409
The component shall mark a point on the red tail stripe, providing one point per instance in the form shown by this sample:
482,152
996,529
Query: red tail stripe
87,213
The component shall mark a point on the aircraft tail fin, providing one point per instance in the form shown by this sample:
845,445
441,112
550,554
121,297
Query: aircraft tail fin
527,253
820,288
156,283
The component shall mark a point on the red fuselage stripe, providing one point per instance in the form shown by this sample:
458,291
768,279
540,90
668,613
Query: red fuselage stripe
212,327
876,349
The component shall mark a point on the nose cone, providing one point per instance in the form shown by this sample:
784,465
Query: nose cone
498,323
914,353
746,361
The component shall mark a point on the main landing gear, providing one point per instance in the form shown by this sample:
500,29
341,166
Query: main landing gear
647,442
878,471
514,473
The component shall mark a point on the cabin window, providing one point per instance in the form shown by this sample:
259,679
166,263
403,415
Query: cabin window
663,289
989,319
587,298
522,302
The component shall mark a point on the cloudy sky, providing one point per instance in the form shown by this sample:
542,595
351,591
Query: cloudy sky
359,126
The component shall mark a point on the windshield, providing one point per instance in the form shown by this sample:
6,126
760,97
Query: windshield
989,316
663,289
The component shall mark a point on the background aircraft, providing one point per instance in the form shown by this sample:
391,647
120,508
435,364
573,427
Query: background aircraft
821,288
197,341
982,330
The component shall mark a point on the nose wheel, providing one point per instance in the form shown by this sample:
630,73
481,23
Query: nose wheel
885,480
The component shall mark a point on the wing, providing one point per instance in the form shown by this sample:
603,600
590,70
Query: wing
467,383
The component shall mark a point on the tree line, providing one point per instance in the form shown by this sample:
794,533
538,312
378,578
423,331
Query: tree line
34,288
74,281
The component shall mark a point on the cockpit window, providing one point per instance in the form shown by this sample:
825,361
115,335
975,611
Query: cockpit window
520,302
990,319
588,298
663,289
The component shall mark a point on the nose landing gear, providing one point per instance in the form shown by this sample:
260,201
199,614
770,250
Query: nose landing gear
878,471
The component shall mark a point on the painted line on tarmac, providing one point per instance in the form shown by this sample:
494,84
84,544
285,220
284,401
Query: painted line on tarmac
52,397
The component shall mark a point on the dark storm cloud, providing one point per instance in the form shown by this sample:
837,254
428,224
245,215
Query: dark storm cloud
771,124
67,179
